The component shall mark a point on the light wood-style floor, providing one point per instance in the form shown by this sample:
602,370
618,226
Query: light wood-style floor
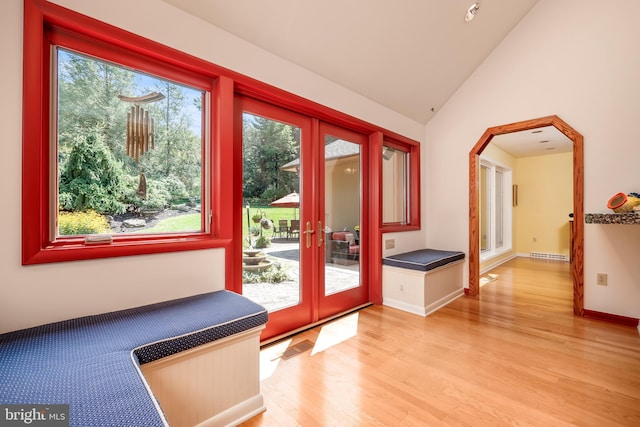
516,356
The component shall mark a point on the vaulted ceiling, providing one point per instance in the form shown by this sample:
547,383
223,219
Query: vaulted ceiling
408,55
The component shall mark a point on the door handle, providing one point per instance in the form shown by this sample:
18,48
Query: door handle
320,234
308,232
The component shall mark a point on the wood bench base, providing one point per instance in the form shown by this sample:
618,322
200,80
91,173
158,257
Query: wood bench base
216,384
421,292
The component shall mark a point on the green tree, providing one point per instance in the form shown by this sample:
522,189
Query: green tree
268,145
88,102
178,149
88,92
92,179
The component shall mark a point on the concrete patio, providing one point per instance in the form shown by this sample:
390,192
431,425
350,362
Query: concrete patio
275,296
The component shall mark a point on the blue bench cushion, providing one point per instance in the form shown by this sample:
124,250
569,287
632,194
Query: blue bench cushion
91,363
423,259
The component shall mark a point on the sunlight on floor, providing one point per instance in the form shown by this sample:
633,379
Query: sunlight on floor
330,334
270,358
488,278
336,332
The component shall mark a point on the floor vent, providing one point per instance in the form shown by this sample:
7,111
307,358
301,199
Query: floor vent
553,257
297,349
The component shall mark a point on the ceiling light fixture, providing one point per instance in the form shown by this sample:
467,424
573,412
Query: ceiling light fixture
472,11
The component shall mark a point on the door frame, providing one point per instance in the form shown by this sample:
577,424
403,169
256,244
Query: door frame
309,311
577,265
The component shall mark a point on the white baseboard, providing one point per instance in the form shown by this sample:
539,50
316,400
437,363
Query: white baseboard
444,301
237,414
401,305
420,310
500,262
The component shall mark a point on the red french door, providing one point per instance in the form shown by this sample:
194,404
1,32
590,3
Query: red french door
342,201
302,203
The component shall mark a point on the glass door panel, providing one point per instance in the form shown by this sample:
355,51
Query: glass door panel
271,188
343,274
342,215
276,270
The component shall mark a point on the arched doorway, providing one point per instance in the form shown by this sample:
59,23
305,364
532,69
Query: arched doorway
577,267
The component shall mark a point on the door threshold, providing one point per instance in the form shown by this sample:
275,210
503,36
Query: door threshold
289,334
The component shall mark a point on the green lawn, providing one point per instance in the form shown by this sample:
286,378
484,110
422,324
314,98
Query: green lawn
274,214
192,221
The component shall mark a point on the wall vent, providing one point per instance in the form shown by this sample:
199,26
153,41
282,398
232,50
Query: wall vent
554,257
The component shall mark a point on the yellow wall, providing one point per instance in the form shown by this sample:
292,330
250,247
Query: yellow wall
545,199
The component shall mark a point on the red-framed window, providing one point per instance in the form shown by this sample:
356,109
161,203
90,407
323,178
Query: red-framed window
47,25
116,136
400,185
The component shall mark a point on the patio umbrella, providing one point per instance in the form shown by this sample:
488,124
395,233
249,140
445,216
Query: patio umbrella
291,200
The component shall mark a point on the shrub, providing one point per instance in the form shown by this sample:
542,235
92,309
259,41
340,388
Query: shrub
89,222
262,242
275,274
91,179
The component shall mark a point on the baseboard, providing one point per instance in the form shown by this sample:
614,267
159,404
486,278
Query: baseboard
443,301
237,414
497,263
420,310
401,305
611,318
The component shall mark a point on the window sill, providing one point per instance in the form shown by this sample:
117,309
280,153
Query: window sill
78,250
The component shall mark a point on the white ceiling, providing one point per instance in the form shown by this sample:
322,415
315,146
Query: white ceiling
536,142
409,55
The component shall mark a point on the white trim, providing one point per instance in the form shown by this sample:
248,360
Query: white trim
497,263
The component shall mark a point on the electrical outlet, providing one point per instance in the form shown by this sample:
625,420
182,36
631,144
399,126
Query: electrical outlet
535,240
402,289
601,279
390,243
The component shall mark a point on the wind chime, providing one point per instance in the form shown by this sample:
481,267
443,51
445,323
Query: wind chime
140,132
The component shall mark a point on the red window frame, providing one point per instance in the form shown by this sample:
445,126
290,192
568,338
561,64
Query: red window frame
225,165
47,24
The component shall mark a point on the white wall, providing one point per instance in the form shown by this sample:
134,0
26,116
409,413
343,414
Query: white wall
44,293
578,59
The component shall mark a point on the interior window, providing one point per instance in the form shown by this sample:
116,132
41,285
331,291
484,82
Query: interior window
395,168
495,209
400,186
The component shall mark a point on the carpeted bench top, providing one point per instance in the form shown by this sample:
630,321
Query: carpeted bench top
423,259
92,363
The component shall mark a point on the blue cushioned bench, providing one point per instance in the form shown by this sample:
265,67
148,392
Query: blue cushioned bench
93,363
423,280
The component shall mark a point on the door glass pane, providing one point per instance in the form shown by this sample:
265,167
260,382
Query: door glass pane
271,217
342,215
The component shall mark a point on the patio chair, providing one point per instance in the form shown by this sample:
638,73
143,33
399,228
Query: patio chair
344,246
283,228
294,229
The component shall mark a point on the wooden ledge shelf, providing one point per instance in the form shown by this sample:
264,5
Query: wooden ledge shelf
612,218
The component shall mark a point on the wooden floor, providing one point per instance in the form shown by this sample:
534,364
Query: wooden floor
515,356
